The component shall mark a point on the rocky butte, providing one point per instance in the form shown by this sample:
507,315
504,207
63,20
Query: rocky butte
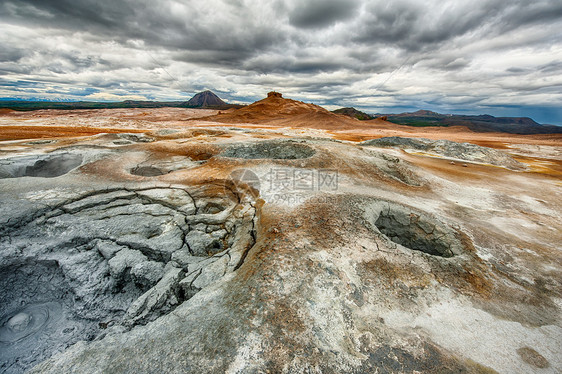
278,237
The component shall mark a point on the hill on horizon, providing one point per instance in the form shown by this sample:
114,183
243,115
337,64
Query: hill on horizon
354,113
205,99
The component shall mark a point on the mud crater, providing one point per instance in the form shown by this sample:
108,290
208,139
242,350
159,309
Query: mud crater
50,166
147,171
418,231
36,315
155,168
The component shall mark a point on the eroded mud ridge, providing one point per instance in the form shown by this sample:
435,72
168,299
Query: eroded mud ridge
416,230
109,260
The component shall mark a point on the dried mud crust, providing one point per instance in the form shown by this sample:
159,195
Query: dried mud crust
110,260
446,148
274,149
395,168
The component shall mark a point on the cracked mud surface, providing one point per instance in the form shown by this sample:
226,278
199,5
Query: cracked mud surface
111,259
176,250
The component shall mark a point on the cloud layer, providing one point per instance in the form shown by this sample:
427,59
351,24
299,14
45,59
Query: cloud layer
479,56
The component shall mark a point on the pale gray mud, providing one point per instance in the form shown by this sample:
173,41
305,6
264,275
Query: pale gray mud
172,252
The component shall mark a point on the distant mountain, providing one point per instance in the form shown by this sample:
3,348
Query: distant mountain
354,113
205,99
479,123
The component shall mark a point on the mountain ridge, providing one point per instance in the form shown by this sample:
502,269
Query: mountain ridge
479,123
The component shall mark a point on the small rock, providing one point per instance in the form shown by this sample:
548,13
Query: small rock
202,244
147,274
219,234
158,300
211,228
107,249
123,261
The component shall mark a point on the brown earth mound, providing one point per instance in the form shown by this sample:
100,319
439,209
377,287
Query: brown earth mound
6,111
278,111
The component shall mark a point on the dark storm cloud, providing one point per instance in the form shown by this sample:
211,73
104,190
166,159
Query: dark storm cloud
156,23
525,12
11,54
551,67
294,64
414,25
321,13
5,82
83,14
366,53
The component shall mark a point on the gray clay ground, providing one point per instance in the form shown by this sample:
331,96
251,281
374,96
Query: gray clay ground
182,253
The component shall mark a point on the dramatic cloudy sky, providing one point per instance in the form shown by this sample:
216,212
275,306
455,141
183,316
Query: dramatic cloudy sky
502,57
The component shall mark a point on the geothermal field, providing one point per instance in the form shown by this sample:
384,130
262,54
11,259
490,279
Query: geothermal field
278,237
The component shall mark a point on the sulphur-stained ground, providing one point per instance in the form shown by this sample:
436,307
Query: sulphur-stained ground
178,241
